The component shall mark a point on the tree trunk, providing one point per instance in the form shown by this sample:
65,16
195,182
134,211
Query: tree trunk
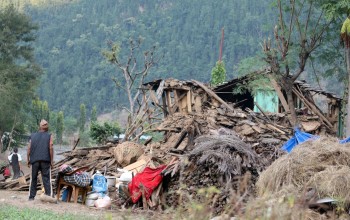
347,124
289,92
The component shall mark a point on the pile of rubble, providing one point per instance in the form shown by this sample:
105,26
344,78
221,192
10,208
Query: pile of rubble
205,142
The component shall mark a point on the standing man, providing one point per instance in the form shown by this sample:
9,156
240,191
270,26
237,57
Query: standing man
40,158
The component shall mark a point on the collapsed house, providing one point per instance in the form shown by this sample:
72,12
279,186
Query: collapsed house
206,138
319,112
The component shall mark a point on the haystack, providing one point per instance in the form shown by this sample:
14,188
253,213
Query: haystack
311,164
127,153
333,182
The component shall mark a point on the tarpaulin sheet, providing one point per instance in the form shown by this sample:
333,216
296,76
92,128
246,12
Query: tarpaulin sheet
298,138
347,140
149,178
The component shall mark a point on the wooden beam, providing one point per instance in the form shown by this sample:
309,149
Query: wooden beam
165,112
189,102
262,112
313,108
168,99
279,94
212,94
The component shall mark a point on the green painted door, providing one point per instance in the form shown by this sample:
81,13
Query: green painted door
267,100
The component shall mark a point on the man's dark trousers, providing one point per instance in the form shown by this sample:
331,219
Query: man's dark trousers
44,168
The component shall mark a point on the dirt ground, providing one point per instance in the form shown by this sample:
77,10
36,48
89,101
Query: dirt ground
20,200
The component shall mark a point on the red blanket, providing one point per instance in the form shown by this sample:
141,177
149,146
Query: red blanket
149,178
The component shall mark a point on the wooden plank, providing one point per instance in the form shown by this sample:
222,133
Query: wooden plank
168,101
276,129
136,167
144,200
189,102
212,94
279,94
198,104
153,97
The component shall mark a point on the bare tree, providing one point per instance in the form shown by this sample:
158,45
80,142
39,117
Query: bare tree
132,72
299,32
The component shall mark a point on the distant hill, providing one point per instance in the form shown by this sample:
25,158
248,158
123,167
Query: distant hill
187,33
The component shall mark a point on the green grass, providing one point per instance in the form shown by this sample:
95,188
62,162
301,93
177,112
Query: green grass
8,212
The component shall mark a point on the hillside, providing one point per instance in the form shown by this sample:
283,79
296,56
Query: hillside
72,36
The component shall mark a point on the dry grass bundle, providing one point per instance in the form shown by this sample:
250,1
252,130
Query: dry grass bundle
280,206
127,153
333,182
229,153
305,161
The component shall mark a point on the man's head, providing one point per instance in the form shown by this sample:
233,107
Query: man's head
15,150
44,125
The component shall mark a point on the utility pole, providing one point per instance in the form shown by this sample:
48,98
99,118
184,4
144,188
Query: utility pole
221,44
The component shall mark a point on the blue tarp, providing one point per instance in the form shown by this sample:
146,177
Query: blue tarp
347,140
298,138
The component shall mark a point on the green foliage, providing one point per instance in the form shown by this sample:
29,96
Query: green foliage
82,118
101,133
70,125
39,110
258,82
186,32
218,74
93,117
18,71
59,127
249,65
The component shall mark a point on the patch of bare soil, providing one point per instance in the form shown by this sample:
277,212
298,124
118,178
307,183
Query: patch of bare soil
20,199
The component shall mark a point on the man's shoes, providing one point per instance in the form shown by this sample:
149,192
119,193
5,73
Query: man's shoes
31,199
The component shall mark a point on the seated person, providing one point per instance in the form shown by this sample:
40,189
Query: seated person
81,179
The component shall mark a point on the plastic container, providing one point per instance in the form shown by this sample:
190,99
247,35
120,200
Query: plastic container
111,180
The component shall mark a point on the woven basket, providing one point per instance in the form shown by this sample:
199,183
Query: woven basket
127,153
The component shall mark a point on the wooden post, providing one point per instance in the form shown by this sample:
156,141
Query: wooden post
164,105
279,94
189,102
168,97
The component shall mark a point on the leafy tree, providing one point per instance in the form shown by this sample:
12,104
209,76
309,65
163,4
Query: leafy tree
100,133
18,71
93,114
70,125
59,127
300,30
39,110
218,73
82,118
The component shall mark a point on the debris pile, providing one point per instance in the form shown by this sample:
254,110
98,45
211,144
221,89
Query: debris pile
208,142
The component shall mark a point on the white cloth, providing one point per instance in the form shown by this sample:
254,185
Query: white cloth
10,157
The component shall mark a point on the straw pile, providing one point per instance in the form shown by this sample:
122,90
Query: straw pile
127,153
321,164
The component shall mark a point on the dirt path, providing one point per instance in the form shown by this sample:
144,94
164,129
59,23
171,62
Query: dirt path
20,199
